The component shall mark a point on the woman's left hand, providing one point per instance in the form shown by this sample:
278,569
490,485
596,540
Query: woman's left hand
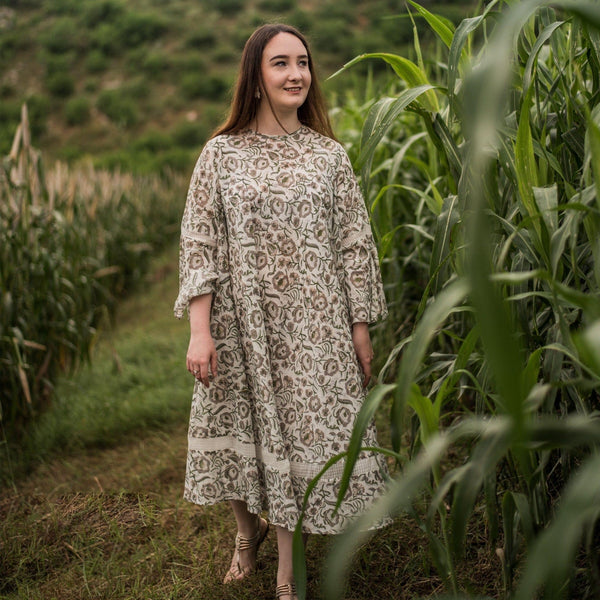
363,348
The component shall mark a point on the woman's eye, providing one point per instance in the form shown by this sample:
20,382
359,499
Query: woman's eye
303,63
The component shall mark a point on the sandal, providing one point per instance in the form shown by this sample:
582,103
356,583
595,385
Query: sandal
236,573
286,589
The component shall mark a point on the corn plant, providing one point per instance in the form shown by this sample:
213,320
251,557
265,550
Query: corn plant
72,241
484,197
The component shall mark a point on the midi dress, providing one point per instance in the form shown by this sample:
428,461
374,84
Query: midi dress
275,227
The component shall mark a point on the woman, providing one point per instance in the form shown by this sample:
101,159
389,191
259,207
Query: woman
279,272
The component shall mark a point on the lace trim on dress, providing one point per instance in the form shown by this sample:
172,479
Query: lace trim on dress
297,469
194,235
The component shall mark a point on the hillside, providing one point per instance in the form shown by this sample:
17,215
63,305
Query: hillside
140,84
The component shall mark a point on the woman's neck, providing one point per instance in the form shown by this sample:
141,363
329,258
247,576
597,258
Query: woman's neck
266,122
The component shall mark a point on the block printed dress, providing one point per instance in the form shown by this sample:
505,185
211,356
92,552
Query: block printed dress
276,228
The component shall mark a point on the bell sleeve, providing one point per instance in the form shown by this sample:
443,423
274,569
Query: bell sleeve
359,261
198,243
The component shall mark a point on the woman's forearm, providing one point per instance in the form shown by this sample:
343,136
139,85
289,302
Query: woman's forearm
200,314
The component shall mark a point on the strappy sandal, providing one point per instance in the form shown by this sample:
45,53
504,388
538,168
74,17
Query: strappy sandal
286,589
236,573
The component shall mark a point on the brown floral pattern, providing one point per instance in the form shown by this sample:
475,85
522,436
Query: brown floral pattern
276,228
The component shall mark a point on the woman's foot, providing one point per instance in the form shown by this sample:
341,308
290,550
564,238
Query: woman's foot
286,591
246,549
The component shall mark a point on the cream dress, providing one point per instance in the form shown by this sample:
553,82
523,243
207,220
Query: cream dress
276,228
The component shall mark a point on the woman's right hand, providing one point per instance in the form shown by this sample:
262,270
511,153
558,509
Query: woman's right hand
202,357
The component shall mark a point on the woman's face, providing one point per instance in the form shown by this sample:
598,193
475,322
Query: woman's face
285,72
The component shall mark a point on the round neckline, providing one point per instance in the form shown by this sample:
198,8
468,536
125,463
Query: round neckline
277,135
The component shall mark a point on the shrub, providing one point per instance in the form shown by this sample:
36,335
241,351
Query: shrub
152,64
57,63
102,11
96,61
62,36
211,87
106,38
277,6
153,141
302,20
229,7
77,111
39,108
62,7
60,84
201,37
190,134
190,63
225,54
332,35
176,159
118,107
135,29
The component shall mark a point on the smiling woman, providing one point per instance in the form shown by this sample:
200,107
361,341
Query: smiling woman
279,273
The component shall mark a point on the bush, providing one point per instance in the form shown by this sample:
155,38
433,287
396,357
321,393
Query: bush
190,63
60,84
38,107
106,38
77,111
118,107
211,87
135,29
153,141
201,38
177,159
102,11
277,6
302,20
190,135
333,35
153,64
57,63
62,7
62,37
96,61
229,7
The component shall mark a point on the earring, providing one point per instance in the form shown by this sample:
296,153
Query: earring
257,94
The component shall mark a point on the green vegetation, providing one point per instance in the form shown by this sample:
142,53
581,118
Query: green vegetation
185,53
480,167
73,242
102,500
481,170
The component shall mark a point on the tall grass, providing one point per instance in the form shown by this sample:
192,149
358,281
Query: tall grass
481,175
72,242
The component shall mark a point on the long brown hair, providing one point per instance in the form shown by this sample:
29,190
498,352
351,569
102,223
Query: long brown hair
244,106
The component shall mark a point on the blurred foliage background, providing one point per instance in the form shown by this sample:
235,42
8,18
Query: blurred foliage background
140,84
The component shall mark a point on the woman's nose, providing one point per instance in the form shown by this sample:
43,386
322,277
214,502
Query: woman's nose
294,73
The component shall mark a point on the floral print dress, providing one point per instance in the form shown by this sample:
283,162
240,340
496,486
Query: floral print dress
276,228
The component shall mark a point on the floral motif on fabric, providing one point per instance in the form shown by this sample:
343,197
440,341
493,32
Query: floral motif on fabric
276,228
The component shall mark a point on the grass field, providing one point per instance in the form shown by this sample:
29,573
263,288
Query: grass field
101,514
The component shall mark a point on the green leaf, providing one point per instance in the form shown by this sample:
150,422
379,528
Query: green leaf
593,140
363,419
447,300
443,27
397,497
406,70
546,199
379,120
552,555
445,223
